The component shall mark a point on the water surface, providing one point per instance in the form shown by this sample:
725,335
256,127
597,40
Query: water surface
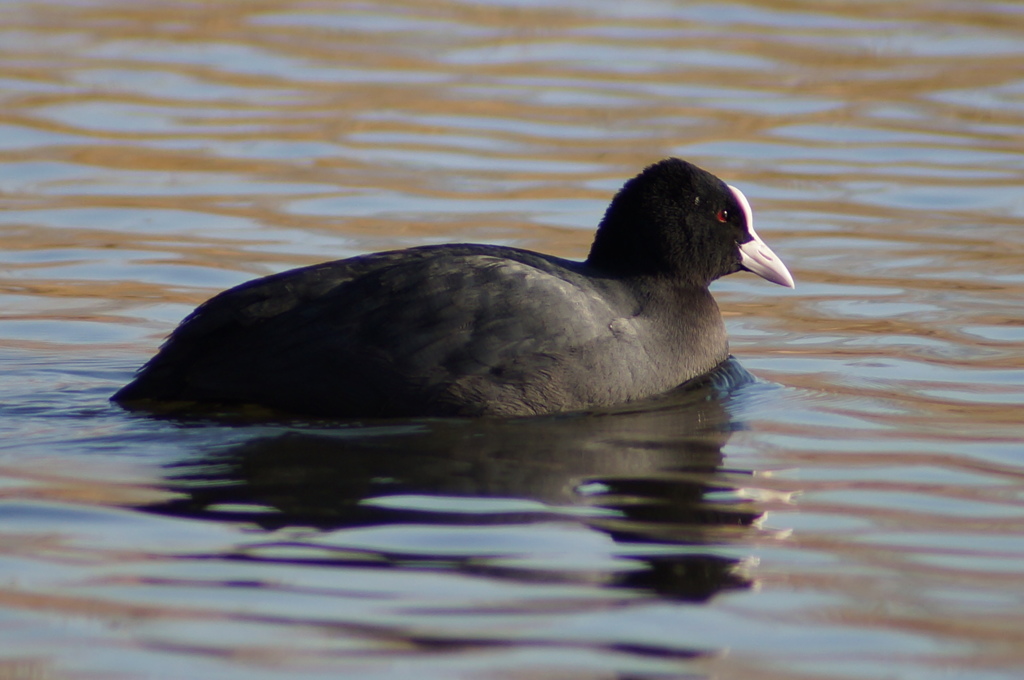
856,511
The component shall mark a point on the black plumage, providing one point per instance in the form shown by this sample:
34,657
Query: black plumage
477,329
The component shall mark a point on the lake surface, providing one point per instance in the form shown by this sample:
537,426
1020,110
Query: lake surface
856,511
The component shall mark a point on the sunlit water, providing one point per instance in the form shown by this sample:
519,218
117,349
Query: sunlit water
856,512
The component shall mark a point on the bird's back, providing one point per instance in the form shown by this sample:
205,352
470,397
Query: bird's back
438,330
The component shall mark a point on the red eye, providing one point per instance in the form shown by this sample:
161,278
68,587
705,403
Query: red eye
722,216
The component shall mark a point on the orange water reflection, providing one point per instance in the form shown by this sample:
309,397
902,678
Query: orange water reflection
151,154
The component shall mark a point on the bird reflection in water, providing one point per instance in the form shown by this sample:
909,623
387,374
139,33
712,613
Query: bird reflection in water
650,477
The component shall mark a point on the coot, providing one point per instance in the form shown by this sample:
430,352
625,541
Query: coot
470,330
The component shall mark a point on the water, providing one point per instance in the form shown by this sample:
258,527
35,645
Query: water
855,512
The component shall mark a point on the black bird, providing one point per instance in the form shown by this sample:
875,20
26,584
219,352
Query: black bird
471,330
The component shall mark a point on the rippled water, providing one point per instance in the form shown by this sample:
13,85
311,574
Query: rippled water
857,512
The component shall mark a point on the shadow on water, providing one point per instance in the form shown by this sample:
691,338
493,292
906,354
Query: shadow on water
650,478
